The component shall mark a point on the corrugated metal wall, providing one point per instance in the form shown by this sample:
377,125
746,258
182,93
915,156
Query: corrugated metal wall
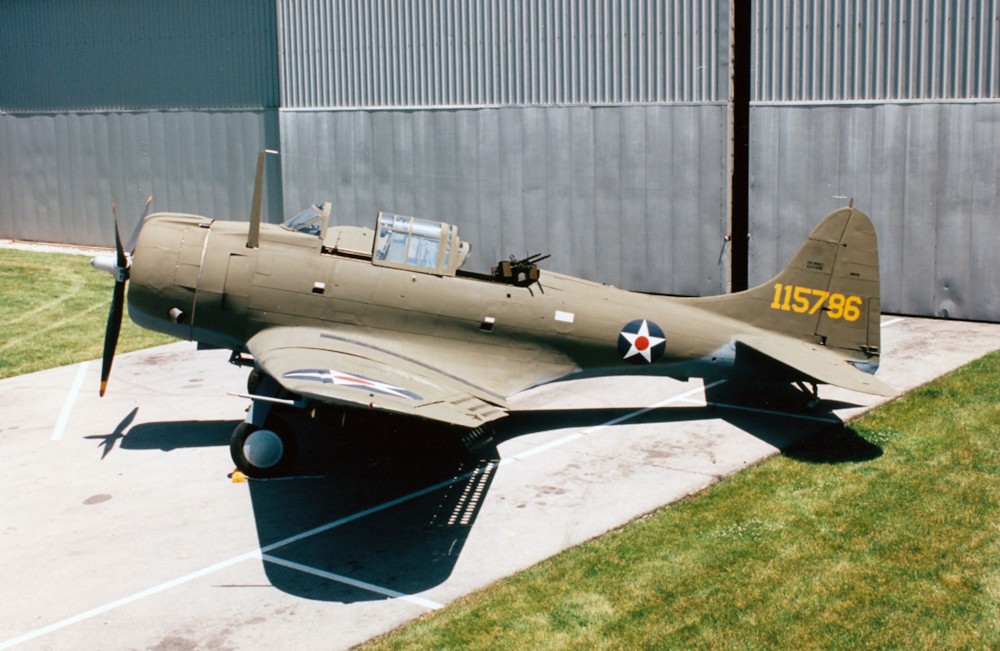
896,104
66,55
595,131
928,175
826,50
592,131
105,101
396,53
633,193
632,196
61,172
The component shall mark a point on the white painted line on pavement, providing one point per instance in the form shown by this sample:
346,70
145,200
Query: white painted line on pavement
262,552
100,610
70,401
681,397
614,421
354,583
769,412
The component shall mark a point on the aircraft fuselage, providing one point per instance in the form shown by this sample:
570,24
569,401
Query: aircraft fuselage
196,279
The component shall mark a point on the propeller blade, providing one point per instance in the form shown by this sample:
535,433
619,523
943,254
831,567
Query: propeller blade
121,273
115,313
134,238
120,252
111,332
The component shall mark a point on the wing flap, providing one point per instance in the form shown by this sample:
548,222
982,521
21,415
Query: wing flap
331,370
818,362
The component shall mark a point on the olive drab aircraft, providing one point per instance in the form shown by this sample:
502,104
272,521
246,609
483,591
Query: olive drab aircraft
385,318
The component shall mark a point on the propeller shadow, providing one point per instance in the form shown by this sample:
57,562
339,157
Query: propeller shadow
109,440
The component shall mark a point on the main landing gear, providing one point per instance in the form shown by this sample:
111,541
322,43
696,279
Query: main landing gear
264,445
262,452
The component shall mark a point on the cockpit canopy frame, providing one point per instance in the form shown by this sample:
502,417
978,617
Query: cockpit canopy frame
404,242
314,220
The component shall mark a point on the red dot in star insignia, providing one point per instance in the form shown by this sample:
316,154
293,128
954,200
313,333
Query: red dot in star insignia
641,343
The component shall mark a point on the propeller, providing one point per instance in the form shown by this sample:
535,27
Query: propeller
118,266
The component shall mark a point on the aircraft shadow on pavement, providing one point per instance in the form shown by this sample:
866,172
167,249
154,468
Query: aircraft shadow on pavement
395,501
183,434
370,486
775,414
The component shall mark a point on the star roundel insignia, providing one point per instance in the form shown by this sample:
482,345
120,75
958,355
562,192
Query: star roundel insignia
641,342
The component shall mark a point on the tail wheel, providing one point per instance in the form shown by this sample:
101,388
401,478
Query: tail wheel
261,452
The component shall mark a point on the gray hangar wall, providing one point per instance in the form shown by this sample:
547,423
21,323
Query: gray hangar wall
896,104
633,196
112,101
59,173
592,131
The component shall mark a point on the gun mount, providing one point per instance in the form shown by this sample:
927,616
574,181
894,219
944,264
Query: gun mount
520,273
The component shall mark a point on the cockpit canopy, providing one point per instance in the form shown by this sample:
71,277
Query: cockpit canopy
421,245
400,242
311,221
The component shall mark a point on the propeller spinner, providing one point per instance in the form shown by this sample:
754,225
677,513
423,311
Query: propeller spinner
118,266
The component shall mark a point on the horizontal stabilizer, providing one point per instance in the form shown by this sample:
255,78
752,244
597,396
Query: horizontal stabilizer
818,362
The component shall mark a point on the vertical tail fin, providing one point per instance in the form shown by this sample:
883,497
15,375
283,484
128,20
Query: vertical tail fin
828,294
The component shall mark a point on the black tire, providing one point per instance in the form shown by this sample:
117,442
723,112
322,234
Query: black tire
253,380
236,450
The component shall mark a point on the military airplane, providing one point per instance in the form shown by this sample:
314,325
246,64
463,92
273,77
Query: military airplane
386,319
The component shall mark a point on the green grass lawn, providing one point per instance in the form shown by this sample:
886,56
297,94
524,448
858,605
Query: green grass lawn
54,309
820,548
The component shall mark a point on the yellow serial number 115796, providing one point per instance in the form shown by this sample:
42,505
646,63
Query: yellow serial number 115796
807,300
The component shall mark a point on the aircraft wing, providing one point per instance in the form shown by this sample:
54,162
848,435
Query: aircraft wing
818,362
319,364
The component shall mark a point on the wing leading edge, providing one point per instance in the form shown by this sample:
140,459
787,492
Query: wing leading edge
330,368
818,362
